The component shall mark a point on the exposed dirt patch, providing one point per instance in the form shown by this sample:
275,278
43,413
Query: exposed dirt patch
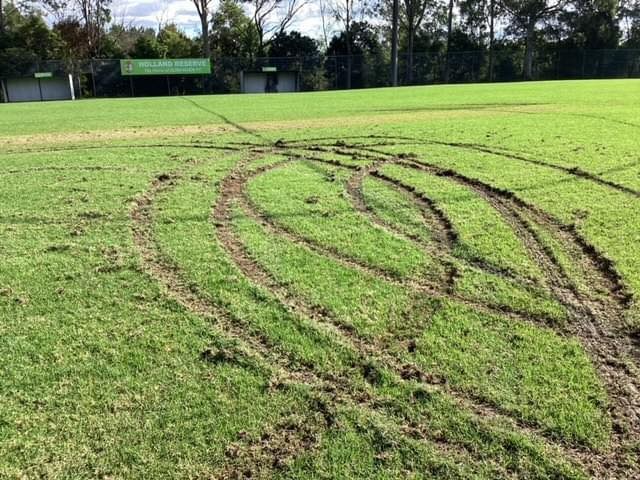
276,448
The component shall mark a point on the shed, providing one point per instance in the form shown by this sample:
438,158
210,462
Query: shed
269,80
39,87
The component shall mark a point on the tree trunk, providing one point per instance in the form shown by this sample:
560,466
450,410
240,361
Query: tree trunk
449,30
492,15
529,50
412,35
348,35
394,45
349,63
206,47
1,18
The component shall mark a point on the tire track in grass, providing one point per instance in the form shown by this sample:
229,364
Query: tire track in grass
329,390
366,347
386,141
397,140
370,348
251,345
435,220
608,348
441,229
572,236
429,288
600,263
168,275
597,324
232,193
75,148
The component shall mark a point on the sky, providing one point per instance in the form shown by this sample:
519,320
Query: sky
151,13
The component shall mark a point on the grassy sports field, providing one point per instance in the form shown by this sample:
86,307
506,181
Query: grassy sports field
433,282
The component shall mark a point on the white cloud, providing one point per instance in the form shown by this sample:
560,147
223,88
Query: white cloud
183,13
153,13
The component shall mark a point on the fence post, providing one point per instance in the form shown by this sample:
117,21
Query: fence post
93,79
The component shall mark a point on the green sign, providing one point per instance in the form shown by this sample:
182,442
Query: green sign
269,69
43,75
166,66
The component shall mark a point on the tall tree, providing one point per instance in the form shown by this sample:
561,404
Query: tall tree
324,13
232,31
293,44
27,39
394,42
592,24
525,16
1,18
629,14
413,15
629,17
176,43
148,46
492,37
478,19
344,12
203,8
364,40
93,16
447,66
272,17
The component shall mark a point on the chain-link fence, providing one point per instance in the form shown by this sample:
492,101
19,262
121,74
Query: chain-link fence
102,78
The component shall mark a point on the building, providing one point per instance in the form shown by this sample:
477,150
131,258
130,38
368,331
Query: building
38,87
269,80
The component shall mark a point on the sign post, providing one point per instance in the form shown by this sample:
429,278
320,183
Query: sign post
38,76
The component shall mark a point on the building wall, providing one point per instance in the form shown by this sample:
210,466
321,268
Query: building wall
256,82
23,89
287,82
56,89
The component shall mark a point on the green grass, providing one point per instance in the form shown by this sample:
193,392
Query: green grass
338,344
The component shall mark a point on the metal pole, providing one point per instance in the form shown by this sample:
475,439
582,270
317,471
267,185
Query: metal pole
394,44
